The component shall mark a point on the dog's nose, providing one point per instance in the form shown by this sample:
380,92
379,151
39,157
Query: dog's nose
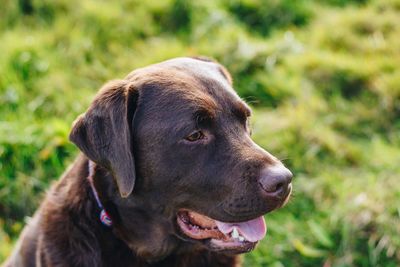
275,180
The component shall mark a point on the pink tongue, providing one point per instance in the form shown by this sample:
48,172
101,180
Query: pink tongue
253,230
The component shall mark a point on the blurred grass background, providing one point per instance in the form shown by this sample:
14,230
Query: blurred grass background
323,78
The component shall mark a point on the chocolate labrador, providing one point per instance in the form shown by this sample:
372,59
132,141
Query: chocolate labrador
169,176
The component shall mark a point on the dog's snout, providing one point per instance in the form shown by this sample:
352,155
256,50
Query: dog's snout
275,180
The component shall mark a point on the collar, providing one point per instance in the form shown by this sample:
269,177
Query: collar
104,217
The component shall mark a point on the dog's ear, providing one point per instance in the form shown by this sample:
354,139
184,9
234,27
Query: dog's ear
103,133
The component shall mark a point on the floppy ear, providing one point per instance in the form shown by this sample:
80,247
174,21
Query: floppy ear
103,133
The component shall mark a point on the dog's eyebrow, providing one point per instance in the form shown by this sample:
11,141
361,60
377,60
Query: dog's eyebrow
204,115
241,110
203,105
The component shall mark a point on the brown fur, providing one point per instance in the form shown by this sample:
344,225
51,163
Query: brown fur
145,171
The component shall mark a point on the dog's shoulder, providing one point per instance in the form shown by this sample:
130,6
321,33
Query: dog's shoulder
68,229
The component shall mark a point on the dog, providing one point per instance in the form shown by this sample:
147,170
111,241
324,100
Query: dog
168,176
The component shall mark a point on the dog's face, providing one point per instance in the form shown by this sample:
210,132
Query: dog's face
199,179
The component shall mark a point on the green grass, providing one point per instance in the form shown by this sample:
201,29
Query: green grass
322,76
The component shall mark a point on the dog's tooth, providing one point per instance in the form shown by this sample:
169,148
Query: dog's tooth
241,238
235,233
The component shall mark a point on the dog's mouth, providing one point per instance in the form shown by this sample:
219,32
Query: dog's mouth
235,237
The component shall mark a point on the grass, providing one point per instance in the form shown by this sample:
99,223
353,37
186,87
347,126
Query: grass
322,77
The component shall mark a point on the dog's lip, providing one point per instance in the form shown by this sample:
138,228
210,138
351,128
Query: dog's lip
197,227
235,237
233,247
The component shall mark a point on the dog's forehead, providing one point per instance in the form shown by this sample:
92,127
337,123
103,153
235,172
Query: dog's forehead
200,68
170,69
187,84
189,74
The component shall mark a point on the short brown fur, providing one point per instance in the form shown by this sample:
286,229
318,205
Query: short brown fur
145,171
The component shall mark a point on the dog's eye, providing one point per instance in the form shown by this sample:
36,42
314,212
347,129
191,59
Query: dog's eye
198,135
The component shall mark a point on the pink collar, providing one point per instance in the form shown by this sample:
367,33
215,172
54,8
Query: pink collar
104,217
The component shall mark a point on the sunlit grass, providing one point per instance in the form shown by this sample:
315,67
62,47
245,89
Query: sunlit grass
324,83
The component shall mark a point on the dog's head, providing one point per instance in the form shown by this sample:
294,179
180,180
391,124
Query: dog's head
183,171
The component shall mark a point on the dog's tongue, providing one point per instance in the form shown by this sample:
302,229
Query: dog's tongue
253,230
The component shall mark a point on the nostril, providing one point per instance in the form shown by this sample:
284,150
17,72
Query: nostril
273,187
279,187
